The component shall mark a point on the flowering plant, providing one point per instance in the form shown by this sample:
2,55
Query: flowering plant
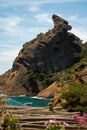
3,101
7,120
55,125
10,122
80,120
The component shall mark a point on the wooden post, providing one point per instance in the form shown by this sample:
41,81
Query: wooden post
50,105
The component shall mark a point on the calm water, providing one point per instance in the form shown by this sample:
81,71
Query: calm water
27,101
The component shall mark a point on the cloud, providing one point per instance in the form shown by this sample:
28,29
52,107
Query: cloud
15,27
6,56
5,3
6,46
81,33
45,17
55,1
77,19
73,17
8,52
9,23
33,8
14,32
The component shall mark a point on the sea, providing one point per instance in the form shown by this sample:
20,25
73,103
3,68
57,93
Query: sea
28,101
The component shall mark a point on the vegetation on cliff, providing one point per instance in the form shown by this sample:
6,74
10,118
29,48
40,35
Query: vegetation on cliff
73,97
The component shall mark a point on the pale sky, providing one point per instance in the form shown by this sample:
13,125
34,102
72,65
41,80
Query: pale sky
22,20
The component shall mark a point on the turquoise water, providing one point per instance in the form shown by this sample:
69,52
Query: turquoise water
27,101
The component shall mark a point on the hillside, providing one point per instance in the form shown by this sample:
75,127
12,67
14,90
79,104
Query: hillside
70,88
40,60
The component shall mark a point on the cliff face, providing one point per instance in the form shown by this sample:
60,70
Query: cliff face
52,51
49,52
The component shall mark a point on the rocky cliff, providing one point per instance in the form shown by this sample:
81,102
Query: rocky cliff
51,52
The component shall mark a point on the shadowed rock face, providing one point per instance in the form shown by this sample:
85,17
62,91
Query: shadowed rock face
52,51
49,52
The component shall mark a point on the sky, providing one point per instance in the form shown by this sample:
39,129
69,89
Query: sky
23,20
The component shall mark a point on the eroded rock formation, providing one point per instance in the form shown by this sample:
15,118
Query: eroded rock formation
49,52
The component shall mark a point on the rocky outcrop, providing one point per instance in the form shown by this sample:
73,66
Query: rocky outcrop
50,52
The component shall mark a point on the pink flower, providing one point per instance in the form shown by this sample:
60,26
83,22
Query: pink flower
75,116
51,122
80,120
7,114
66,124
46,123
84,115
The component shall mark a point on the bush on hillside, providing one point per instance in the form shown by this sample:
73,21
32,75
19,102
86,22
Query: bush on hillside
31,83
75,99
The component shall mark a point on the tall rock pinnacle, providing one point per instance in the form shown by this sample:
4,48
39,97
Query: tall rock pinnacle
60,24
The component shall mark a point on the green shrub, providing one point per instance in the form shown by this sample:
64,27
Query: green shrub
31,82
10,122
75,98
